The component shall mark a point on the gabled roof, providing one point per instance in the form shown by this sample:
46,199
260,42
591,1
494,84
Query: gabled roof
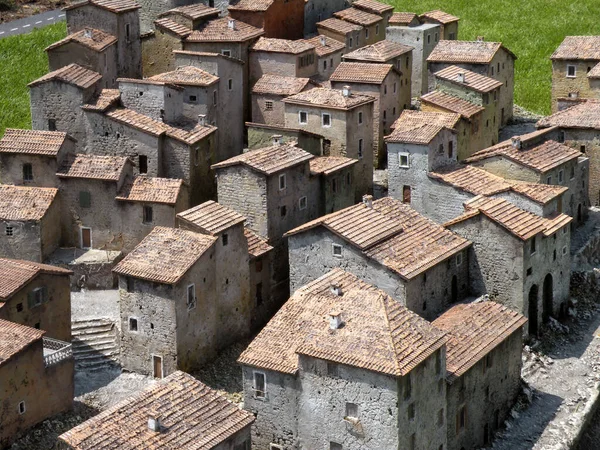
151,190
32,142
358,17
472,80
471,52
105,100
192,12
381,51
331,45
540,193
326,165
278,85
115,6
378,335
419,127
14,338
72,74
474,330
338,26
274,45
584,115
452,104
218,30
373,6
165,255
403,19
439,17
176,28
359,72
594,72
211,217
578,47
15,274
251,5
96,40
257,246
187,76
192,416
269,160
329,98
94,167
22,203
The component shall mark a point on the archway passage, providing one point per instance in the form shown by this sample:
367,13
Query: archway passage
548,295
533,310
454,289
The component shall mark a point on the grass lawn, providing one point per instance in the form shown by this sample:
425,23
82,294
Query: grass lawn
532,29
22,60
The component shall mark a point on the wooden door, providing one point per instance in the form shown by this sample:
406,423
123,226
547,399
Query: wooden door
157,366
86,238
406,194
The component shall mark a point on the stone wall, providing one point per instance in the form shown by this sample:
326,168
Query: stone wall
274,115
580,84
327,64
157,101
343,197
261,136
25,242
157,52
319,10
589,142
49,228
282,64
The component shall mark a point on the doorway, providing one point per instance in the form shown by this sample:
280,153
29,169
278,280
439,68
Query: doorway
547,294
533,310
86,237
579,215
406,194
157,366
454,289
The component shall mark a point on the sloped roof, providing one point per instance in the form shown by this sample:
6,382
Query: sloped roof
281,46
357,16
594,72
15,274
257,246
95,167
331,45
187,76
452,104
105,100
211,217
269,160
381,51
472,80
403,18
582,115
373,6
218,30
193,417
578,47
115,6
32,142
439,17
278,85
151,190
72,74
474,52
359,72
96,40
174,27
379,334
326,165
192,12
251,5
25,203
338,26
420,127
330,98
14,338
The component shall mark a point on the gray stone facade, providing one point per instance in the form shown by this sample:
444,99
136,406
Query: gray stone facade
317,10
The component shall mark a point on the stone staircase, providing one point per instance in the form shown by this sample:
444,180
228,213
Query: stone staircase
95,343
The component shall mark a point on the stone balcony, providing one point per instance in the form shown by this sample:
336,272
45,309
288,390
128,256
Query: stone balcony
56,351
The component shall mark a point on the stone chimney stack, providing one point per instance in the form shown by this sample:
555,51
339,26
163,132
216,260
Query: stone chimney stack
154,423
346,91
277,139
368,201
460,77
335,320
88,33
202,120
323,41
231,24
480,38
516,142
336,290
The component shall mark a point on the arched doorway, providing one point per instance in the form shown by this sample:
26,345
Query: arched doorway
533,310
548,296
454,289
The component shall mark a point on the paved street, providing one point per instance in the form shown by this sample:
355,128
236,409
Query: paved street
26,25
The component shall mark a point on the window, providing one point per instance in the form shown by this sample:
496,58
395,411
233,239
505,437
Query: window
350,43
282,182
352,410
230,84
438,363
302,203
215,98
532,246
259,385
335,446
19,307
128,32
564,250
377,30
259,298
360,149
130,284
326,120
325,65
561,136
582,148
27,172
275,447
549,180
302,117
226,52
336,250
385,89
529,271
560,176
283,211
412,443
9,231
191,296
334,186
436,37
403,160
486,99
429,39
440,418
147,217
133,324
461,418
85,199
332,369
51,124
22,408
268,105
441,149
572,173
384,115
193,98
143,163
366,33
450,149
395,87
407,386
37,296
360,118
492,71
407,62
451,36
411,412
571,72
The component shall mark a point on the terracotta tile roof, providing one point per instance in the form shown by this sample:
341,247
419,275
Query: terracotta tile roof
187,76
211,217
137,120
32,142
116,6
251,5
218,31
193,416
15,274
381,51
439,16
583,115
257,246
379,334
174,27
540,193
474,330
330,98
372,6
419,127
151,190
358,17
25,203
165,255
540,157
192,12
91,38
331,45
595,72
107,99
277,85
326,165
269,160
14,338
95,167
338,26
71,74
403,18
359,72
281,46
452,104
474,52
472,80
578,47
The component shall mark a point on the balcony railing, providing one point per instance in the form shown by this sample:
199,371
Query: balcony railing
56,351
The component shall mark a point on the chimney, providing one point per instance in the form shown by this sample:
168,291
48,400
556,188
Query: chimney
277,139
516,142
335,320
88,33
323,41
346,91
460,77
368,201
573,94
336,290
202,120
154,423
231,24
480,39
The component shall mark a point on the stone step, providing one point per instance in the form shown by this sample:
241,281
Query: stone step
100,364
85,356
96,349
88,323
93,340
92,330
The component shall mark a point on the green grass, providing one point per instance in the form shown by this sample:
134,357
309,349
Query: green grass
532,29
22,60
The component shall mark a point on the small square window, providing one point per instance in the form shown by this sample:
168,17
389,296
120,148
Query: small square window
325,65
226,52
360,118
459,259
22,408
147,218
282,182
529,271
336,250
37,326
9,231
19,307
191,297
133,324
326,120
283,211
268,105
560,176
193,98
143,164
230,84
51,124
302,203
302,117
571,71
225,239
260,385
403,160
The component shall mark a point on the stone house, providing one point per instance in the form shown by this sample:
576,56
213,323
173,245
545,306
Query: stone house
268,94
89,48
518,258
329,55
37,296
170,413
348,33
383,82
578,128
330,371
575,71
373,25
29,222
536,157
318,10
173,313
491,59
385,242
260,263
281,19
483,366
36,379
119,18
336,175
56,100
448,23
191,16
371,6
32,157
345,120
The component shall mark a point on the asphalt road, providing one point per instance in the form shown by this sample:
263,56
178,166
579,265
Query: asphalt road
22,26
